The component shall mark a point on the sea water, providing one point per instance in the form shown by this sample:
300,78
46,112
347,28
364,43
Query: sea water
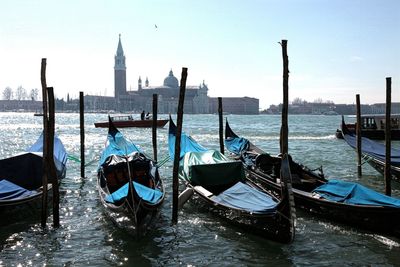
87,238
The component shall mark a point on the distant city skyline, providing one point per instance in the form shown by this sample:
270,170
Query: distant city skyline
336,48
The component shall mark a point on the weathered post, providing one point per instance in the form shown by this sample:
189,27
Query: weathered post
155,111
50,159
388,129
221,126
175,181
82,132
45,142
284,127
358,135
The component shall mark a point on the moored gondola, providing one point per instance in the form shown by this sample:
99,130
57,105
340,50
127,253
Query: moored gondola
21,185
341,201
130,187
374,152
220,183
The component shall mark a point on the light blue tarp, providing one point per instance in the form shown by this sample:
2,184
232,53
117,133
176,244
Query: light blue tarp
9,190
237,145
117,145
374,149
148,194
187,143
242,196
353,193
60,154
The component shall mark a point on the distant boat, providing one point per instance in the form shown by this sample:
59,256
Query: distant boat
123,121
38,114
373,127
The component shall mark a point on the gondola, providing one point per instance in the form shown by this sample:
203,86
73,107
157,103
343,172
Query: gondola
21,185
130,187
221,185
333,199
374,153
373,127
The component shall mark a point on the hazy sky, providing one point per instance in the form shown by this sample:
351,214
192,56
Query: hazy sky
336,48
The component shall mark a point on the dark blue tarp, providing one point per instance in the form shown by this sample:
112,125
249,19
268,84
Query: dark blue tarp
245,197
237,145
9,190
148,194
374,149
352,193
117,145
187,143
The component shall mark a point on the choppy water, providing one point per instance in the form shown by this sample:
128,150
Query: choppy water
87,238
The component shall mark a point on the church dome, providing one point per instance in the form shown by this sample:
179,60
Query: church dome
171,80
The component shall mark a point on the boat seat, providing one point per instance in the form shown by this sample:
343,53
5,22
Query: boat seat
140,173
203,191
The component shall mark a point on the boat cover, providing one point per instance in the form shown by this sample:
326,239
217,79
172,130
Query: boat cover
148,194
373,149
117,145
211,168
237,145
244,197
60,154
188,144
353,193
9,190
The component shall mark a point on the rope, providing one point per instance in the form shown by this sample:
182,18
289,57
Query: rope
163,161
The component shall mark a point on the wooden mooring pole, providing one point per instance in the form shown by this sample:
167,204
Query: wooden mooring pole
388,143
154,130
82,132
45,142
175,181
284,128
358,135
52,173
221,126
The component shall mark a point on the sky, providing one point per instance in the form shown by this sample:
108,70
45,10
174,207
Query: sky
336,49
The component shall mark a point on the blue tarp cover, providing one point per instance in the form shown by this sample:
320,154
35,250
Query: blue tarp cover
242,196
187,143
374,149
148,194
237,145
60,154
9,190
353,193
117,145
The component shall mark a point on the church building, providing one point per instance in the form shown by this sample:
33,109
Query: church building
197,100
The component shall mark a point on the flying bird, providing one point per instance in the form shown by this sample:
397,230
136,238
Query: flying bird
155,25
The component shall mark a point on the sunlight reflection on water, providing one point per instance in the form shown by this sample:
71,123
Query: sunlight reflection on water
87,237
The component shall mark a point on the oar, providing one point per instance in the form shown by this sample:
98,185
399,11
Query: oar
184,197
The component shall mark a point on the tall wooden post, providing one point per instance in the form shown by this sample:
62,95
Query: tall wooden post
155,111
221,126
388,185
82,132
358,135
45,142
50,159
175,181
284,127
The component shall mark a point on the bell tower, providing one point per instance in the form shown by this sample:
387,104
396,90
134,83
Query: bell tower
119,72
